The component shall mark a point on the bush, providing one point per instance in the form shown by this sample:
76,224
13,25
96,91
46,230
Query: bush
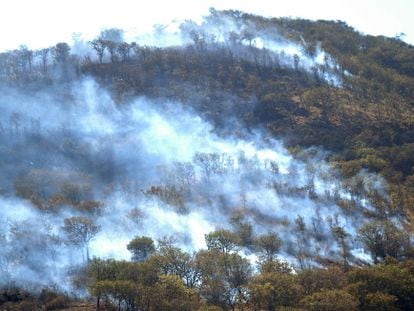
330,300
57,303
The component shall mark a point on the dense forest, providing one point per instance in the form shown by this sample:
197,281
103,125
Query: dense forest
239,163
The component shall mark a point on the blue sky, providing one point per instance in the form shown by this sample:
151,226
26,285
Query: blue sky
42,23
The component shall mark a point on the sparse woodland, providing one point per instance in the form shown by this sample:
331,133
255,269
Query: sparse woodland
364,122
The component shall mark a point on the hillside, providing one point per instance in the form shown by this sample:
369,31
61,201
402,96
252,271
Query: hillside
245,163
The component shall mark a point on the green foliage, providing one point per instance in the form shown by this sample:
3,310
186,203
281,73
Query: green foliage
141,248
222,240
224,277
171,260
172,294
274,265
316,280
368,123
330,300
271,290
380,301
269,244
369,285
383,238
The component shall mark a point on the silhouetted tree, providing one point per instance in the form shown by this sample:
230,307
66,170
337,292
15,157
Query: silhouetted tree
80,231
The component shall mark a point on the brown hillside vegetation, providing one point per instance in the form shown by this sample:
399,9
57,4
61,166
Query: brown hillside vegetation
356,105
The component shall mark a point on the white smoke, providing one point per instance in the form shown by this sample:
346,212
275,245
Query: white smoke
243,37
151,146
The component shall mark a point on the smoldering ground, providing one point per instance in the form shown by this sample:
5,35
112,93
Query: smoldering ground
155,168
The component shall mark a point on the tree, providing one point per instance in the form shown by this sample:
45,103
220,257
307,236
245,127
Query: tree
170,293
112,38
383,238
60,52
379,301
269,291
80,231
341,237
237,271
141,248
44,55
222,240
112,48
302,252
26,57
244,231
380,282
61,55
275,265
331,300
15,121
118,292
99,46
296,60
316,279
269,244
224,278
124,49
249,36
171,260
213,163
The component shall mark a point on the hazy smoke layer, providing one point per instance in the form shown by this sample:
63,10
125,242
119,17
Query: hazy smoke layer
152,169
241,35
248,39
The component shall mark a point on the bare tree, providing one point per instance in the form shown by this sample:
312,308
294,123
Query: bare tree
44,55
112,37
124,49
15,121
112,48
26,57
61,56
99,46
60,52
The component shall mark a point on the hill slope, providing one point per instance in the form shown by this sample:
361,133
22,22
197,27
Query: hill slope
244,163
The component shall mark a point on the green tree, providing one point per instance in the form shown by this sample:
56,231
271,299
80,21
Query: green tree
171,260
141,248
383,238
330,300
170,293
269,291
390,278
224,278
317,279
269,245
223,240
380,301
